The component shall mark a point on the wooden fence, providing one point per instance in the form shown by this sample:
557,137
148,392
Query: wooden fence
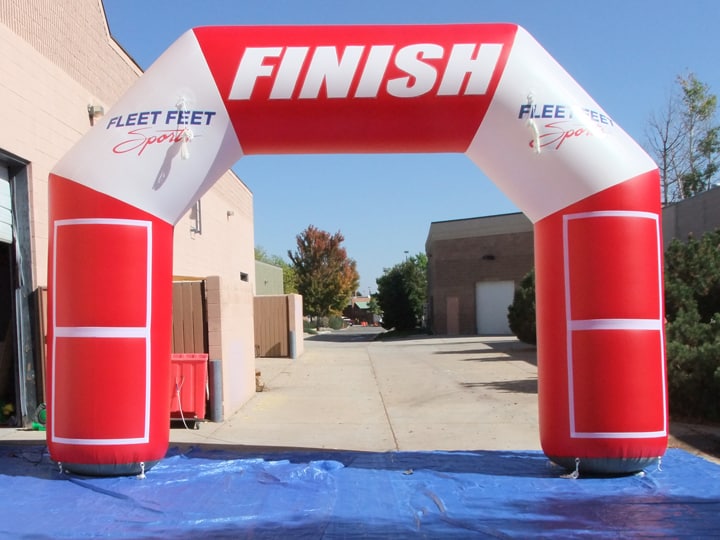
189,317
278,326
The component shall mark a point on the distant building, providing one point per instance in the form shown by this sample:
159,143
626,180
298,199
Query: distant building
268,279
359,310
474,266
695,215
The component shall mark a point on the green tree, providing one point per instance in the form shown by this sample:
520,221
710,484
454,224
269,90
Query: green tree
692,301
703,144
521,313
289,277
402,293
374,305
685,140
326,277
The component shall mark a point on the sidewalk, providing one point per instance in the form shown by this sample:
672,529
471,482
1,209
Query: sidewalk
428,393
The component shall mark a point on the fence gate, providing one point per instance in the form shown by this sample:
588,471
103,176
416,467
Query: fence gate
271,326
189,333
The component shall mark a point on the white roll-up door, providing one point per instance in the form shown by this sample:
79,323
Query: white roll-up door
492,299
6,233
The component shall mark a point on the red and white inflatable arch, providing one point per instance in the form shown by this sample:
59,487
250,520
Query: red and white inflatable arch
488,91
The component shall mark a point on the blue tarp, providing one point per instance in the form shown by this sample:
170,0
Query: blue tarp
212,493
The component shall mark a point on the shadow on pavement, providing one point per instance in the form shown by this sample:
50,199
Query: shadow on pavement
498,352
350,334
524,386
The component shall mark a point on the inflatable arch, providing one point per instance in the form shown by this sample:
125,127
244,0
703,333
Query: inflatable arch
489,91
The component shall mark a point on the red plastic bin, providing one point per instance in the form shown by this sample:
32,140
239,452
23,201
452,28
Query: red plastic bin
188,383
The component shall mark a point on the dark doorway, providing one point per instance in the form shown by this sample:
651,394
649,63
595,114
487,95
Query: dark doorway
8,373
18,384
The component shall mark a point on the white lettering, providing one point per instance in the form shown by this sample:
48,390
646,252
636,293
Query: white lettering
337,74
409,59
466,70
462,63
251,67
374,71
288,72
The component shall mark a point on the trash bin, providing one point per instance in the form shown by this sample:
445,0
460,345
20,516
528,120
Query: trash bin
188,383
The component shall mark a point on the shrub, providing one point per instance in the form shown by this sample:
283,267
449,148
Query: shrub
692,294
694,367
335,322
309,327
521,313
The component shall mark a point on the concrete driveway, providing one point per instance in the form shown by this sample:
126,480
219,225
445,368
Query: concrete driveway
425,393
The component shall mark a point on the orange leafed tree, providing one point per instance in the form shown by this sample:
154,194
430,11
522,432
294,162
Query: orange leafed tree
326,276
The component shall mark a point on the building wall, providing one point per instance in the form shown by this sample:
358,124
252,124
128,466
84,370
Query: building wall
268,279
462,253
224,249
58,58
43,101
695,215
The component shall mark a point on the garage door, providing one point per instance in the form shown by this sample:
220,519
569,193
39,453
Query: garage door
492,299
5,207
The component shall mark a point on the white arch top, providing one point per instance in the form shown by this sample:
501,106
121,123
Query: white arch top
489,91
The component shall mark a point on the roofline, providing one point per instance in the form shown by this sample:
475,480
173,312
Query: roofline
477,217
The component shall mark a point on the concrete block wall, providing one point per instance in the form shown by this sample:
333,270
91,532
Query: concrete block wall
224,249
74,36
58,58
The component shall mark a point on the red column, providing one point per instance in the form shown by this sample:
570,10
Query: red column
601,352
109,332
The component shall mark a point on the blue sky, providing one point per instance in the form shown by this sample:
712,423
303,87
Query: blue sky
625,54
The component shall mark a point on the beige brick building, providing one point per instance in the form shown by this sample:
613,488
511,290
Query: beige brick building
474,266
59,61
